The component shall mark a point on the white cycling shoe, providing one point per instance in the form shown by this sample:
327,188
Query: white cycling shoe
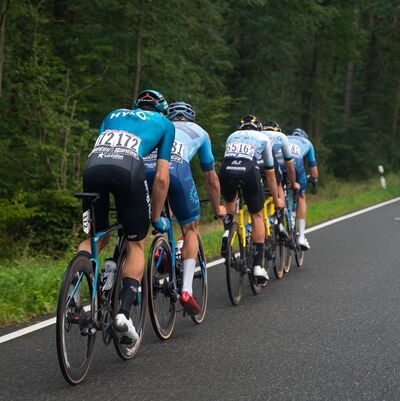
125,326
260,274
304,245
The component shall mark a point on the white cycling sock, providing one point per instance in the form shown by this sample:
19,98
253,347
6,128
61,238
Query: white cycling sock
188,273
301,224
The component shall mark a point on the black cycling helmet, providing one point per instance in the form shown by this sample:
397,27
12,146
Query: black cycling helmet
182,109
250,122
271,126
152,100
298,132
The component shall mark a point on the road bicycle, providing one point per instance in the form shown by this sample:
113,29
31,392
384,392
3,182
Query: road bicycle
289,222
84,308
239,255
164,275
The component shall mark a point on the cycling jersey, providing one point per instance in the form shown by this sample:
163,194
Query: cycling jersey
301,148
115,166
125,134
250,145
279,143
245,152
190,139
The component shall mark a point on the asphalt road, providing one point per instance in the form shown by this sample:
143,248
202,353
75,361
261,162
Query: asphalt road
328,331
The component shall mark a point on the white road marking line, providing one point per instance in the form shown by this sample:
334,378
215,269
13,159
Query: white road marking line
51,321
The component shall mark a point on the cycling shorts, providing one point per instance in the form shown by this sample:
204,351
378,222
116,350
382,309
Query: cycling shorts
130,191
278,170
245,173
301,176
182,193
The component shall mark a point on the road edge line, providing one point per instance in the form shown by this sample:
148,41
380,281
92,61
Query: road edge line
49,322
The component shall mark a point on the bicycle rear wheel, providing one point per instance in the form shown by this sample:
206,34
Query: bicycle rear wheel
161,294
235,264
280,254
287,241
75,334
255,288
125,348
200,285
299,253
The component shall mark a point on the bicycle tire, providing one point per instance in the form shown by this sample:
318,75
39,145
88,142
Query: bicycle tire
270,249
200,283
255,288
299,253
280,255
235,264
74,319
287,241
161,300
124,349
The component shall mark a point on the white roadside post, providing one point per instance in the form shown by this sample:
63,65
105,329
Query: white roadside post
382,177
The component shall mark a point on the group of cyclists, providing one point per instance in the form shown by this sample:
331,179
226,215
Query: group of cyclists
147,151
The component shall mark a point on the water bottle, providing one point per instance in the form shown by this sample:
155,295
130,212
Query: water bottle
178,248
110,268
293,218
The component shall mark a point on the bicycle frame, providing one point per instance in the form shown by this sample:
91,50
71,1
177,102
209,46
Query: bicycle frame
94,238
268,210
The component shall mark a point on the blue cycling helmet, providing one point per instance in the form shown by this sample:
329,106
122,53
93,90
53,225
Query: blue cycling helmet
250,122
182,109
152,100
298,132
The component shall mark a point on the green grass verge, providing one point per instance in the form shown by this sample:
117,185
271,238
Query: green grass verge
29,285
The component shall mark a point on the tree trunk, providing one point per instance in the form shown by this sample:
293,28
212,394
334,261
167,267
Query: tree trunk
308,93
4,5
395,115
348,92
138,51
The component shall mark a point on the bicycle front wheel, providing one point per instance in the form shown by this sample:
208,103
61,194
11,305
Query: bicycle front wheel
287,241
125,348
200,285
161,293
235,264
75,334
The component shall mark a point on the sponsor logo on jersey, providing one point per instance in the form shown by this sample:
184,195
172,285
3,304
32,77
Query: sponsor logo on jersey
236,168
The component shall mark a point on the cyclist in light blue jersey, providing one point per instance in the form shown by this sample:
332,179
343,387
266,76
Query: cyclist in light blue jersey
280,143
301,149
190,139
115,165
248,150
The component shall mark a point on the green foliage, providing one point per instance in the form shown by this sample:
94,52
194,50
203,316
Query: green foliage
29,286
68,63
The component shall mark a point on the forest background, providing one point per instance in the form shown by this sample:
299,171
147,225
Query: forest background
331,67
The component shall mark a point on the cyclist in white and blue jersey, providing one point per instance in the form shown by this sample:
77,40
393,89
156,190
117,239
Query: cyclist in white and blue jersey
280,143
115,165
190,139
301,149
246,151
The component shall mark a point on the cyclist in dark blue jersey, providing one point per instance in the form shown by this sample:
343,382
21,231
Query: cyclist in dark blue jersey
190,139
115,165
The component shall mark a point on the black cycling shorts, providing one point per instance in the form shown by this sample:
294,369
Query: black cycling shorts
244,173
131,194
278,171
